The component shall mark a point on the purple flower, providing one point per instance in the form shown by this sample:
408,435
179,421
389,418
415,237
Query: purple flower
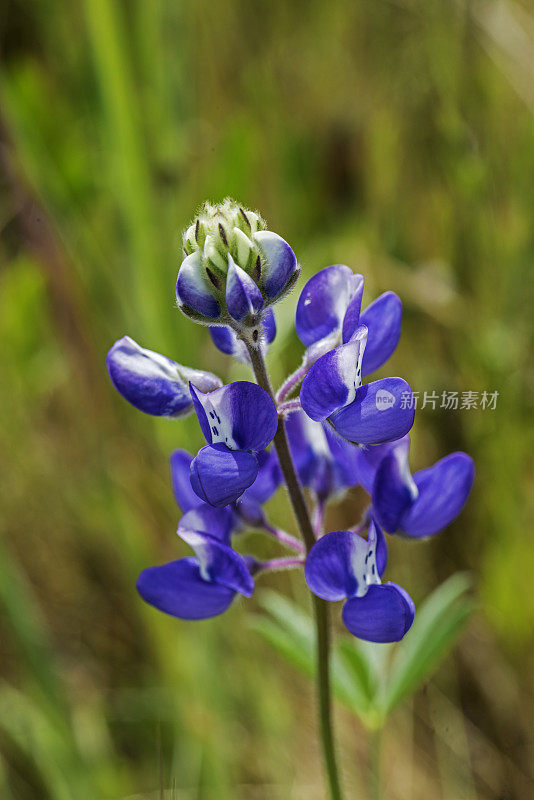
344,566
238,421
325,462
369,414
152,382
199,587
328,313
421,505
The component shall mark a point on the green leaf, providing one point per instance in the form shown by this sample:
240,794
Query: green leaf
290,616
293,636
280,640
437,625
360,665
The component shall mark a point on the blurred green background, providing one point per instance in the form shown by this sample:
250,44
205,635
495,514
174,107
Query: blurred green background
396,137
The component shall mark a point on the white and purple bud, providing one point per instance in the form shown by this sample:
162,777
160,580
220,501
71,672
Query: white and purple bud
233,268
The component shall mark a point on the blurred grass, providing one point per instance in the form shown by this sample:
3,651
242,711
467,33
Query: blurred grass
396,137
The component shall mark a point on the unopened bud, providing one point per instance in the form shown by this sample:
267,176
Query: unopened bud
264,263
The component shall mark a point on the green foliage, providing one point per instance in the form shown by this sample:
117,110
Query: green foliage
372,680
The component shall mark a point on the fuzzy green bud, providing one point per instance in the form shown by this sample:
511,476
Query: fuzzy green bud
227,237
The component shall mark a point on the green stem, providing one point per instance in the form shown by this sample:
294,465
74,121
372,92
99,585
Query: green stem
320,607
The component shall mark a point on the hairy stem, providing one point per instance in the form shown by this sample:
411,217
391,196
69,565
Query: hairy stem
284,538
320,607
318,517
289,407
279,564
292,382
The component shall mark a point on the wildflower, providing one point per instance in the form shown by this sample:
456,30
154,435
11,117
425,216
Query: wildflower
328,313
238,421
332,390
417,506
424,504
233,268
154,383
197,587
342,565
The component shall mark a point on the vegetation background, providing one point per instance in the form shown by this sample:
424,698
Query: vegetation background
394,136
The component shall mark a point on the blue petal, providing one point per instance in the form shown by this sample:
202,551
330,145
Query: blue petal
344,458
384,614
383,318
394,490
225,339
323,303
268,479
381,549
379,413
279,267
181,483
250,511
151,382
243,298
300,443
443,491
269,326
241,415
369,459
352,320
331,382
178,589
218,522
249,506
325,462
329,568
220,475
193,290
218,563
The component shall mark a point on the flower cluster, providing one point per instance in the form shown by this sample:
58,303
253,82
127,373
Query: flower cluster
342,432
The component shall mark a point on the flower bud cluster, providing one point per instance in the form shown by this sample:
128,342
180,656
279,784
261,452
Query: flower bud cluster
233,268
222,229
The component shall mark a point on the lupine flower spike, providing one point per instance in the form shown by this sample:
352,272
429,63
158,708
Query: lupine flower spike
339,432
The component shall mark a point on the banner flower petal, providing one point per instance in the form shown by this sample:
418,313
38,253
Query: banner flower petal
240,415
323,303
